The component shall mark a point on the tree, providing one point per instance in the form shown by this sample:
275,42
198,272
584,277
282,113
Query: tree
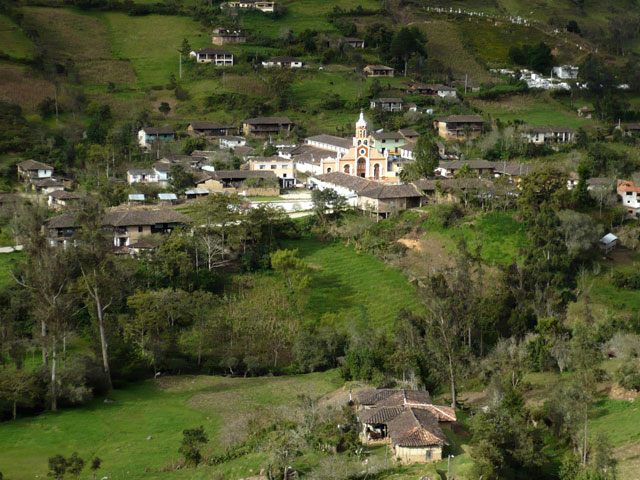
179,178
292,267
185,48
95,466
544,185
192,441
164,108
18,386
75,464
405,43
427,159
57,467
327,203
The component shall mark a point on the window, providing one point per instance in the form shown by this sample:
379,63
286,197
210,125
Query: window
140,229
284,175
262,167
284,166
428,455
273,167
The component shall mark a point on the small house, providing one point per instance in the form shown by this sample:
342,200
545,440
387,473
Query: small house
60,199
354,42
223,36
432,90
168,198
409,133
608,243
232,141
32,170
282,167
456,127
391,104
136,198
551,135
194,193
148,135
586,112
210,129
479,167
565,72
629,193
219,58
387,143
262,5
233,181
47,185
267,126
378,71
283,62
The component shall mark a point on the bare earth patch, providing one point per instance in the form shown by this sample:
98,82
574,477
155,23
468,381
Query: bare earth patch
628,457
17,85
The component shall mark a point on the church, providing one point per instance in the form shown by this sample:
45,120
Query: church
362,159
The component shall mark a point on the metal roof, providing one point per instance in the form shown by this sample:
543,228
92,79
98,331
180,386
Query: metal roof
167,196
137,197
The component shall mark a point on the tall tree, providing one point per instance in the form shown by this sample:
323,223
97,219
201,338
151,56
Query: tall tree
427,158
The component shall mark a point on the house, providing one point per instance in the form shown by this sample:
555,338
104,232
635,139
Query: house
233,181
282,167
631,129
387,143
60,199
409,133
159,174
406,420
192,194
148,135
586,112
128,225
608,243
267,126
362,158
47,185
231,141
551,135
169,198
354,42
330,142
210,129
431,90
220,58
283,62
479,167
565,72
263,6
223,36
136,198
456,127
309,159
378,71
387,104
31,170
628,192
370,196
512,170
411,107
406,151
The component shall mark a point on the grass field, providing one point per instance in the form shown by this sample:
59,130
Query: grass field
354,285
117,432
7,263
13,41
498,236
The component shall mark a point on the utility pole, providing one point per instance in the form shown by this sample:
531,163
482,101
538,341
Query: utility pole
449,457
466,78
180,56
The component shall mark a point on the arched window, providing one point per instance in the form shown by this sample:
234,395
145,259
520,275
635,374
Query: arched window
365,142
347,169
359,142
329,170
376,171
361,167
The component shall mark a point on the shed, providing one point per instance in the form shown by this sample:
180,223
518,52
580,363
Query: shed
167,197
195,193
608,243
136,197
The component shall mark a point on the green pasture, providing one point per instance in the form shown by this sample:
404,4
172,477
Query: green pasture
8,262
13,41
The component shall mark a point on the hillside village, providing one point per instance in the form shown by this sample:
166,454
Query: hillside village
288,239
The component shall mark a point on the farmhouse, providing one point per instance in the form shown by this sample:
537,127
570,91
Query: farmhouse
31,170
128,225
267,126
565,72
220,58
432,90
387,104
631,129
309,159
47,185
551,135
354,42
608,243
231,141
159,174
387,143
263,6
459,126
282,167
148,135
60,199
210,129
409,133
406,420
378,71
233,181
223,36
479,167
628,192
283,62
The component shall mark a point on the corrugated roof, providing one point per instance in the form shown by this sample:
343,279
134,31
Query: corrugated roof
136,197
167,196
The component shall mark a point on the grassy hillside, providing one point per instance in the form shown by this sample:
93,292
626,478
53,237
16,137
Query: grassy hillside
13,41
117,432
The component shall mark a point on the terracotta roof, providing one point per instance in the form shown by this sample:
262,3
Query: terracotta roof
62,195
552,130
48,182
627,186
382,192
472,164
415,428
393,397
235,175
379,415
357,184
512,168
209,126
408,132
124,217
431,86
283,59
268,121
387,136
378,67
34,165
461,119
312,155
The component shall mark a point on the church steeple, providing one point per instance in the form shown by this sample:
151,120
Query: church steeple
361,130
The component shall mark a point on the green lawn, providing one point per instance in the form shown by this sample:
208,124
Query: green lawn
13,41
151,43
117,432
354,285
619,419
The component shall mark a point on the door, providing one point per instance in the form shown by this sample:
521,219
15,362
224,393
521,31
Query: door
362,167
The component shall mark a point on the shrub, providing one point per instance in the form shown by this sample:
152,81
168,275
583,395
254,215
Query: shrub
445,214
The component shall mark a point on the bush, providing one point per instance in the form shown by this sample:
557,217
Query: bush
445,214
628,375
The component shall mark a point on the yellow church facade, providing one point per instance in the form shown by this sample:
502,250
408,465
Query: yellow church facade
362,159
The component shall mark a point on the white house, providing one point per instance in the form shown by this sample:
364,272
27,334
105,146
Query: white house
283,62
566,72
31,170
608,243
148,135
387,104
232,142
263,6
628,192
159,174
540,135
220,58
330,142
